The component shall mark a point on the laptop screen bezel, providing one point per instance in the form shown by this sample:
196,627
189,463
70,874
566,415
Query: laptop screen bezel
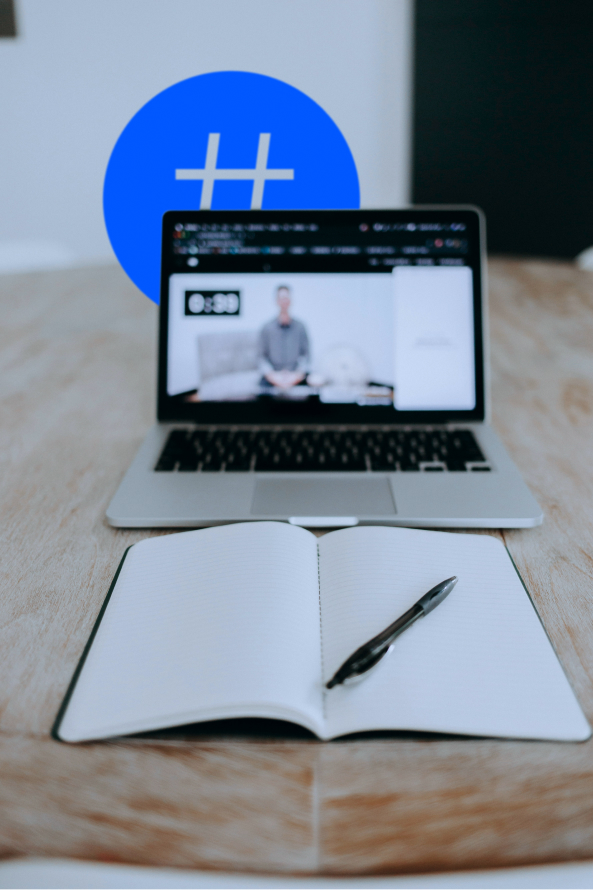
269,411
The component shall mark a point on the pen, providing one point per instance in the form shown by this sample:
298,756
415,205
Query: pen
371,653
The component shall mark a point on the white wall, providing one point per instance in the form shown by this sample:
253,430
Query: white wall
80,69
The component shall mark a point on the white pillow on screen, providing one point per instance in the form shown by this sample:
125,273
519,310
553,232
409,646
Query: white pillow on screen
344,366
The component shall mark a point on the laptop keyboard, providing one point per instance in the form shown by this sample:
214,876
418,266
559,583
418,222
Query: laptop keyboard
321,449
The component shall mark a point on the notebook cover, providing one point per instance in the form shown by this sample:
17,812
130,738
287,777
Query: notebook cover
55,728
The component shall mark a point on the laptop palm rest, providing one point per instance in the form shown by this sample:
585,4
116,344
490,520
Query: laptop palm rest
322,498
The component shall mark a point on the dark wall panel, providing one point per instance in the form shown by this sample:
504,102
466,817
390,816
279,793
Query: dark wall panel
504,118
7,19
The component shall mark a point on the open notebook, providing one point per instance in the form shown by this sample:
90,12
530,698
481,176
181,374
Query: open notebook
251,620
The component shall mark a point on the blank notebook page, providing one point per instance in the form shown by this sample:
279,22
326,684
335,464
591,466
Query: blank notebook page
480,663
213,623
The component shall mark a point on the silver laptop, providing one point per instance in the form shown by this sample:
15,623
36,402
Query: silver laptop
325,368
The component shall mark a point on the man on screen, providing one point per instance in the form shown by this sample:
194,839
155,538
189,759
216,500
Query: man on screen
283,346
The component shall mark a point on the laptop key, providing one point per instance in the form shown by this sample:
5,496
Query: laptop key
212,462
166,464
351,462
188,464
237,462
455,465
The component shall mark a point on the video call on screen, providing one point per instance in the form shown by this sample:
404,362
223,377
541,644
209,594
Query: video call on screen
369,314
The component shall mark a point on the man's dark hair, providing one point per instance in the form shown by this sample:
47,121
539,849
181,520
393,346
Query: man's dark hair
283,287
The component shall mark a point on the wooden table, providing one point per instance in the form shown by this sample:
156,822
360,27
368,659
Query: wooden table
77,374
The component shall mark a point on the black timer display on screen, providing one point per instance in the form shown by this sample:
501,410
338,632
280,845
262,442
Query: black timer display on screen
212,302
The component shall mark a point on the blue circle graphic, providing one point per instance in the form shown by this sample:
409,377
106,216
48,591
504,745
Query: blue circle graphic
229,140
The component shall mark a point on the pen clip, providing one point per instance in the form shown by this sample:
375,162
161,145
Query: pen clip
436,595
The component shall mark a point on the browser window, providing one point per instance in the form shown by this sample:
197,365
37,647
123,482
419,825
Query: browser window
368,314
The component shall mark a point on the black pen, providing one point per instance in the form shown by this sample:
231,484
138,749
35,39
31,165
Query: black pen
371,653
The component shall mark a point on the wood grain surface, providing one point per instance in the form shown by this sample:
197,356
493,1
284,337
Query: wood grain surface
77,382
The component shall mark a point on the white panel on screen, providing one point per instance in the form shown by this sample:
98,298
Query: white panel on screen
434,338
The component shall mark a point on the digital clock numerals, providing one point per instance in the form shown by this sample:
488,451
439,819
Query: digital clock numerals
212,302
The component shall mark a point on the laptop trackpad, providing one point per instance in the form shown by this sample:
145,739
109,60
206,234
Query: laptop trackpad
323,497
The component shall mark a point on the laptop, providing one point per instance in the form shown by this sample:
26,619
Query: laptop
324,368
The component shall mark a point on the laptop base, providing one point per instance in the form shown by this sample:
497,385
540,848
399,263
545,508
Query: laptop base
497,499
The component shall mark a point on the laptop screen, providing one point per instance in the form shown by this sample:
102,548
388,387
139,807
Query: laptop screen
313,316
